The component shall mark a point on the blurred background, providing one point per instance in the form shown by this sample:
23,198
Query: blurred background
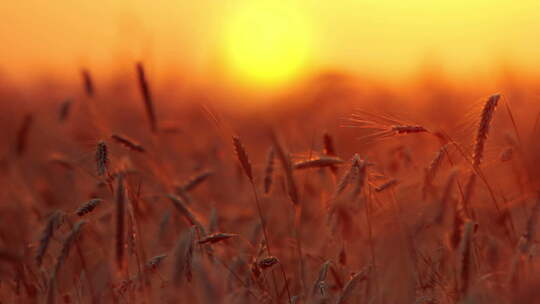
262,46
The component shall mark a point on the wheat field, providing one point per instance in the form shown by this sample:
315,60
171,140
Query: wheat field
116,194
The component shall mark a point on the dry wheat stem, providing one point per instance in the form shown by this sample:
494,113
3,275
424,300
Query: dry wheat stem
246,165
465,259
187,213
22,134
120,218
88,83
147,97
53,223
128,143
196,180
216,237
320,162
287,168
351,286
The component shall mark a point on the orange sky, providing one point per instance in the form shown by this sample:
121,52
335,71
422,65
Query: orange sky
384,38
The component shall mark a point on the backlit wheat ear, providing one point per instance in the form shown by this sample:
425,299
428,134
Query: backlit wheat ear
120,218
102,158
320,162
359,176
242,157
53,223
147,96
353,284
433,168
408,129
483,128
384,126
128,143
88,206
348,176
269,171
479,144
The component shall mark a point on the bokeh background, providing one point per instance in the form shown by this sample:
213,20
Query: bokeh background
270,44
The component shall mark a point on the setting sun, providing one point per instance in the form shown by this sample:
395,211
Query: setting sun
266,44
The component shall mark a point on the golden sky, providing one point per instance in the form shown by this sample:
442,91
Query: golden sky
229,40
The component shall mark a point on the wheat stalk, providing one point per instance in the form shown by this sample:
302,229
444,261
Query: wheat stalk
348,176
88,83
68,243
351,286
246,165
216,237
330,150
64,111
22,134
287,168
465,259
128,143
120,218
147,96
53,223
187,213
269,171
387,185
184,256
319,287
196,180
155,261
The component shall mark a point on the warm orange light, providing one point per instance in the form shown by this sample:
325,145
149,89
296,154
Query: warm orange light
266,43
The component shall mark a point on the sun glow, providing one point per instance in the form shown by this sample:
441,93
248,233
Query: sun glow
266,44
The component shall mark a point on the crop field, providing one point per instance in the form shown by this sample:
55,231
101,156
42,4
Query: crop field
336,194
